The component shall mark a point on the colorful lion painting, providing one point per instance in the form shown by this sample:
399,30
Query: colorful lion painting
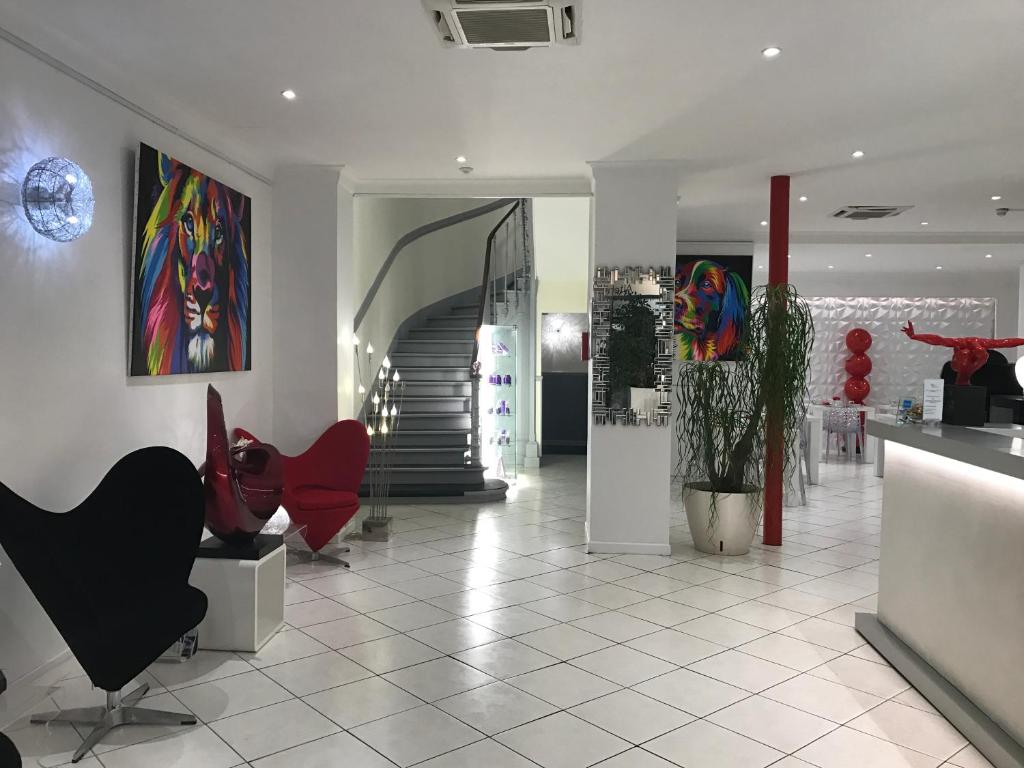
190,274
711,307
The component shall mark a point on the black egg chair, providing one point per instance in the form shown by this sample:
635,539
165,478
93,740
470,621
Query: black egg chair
112,574
9,757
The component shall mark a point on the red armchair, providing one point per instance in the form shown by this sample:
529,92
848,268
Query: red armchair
321,486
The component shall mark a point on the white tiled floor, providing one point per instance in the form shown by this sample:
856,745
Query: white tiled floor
486,636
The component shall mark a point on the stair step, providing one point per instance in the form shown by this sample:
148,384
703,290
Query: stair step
428,404
440,332
438,388
402,360
466,477
433,457
435,346
453,322
441,439
426,373
413,421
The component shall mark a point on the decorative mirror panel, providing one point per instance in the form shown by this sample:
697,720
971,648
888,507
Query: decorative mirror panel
632,345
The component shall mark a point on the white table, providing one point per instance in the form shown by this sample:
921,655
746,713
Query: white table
246,600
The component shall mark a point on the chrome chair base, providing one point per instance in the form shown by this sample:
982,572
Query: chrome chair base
117,712
307,556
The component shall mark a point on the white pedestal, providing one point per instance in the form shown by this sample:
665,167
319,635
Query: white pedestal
246,600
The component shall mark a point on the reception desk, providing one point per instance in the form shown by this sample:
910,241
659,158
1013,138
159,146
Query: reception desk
951,581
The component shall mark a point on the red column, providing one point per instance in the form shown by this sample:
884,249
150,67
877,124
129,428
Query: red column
778,273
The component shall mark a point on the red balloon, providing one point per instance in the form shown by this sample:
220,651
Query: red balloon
858,365
857,390
858,340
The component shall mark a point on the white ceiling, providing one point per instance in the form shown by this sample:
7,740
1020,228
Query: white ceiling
930,90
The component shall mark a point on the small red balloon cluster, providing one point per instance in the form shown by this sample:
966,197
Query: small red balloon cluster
858,365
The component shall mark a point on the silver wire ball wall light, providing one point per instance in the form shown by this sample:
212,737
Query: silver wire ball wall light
58,200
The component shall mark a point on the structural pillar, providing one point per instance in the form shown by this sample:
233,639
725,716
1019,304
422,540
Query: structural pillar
304,228
634,219
778,274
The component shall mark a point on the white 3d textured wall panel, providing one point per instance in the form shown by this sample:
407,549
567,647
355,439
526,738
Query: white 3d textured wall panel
899,364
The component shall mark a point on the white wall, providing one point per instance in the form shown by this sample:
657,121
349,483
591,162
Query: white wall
998,285
68,410
561,250
429,270
305,298
561,246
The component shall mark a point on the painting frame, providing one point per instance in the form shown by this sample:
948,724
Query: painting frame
191,271
712,306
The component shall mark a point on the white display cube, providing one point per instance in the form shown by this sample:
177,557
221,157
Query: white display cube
246,600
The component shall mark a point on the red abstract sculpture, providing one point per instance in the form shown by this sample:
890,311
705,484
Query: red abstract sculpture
243,486
858,365
321,486
969,352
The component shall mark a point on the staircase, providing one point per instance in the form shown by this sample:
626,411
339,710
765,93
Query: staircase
431,445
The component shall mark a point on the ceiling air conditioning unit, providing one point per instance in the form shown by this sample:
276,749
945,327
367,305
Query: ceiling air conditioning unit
865,212
505,25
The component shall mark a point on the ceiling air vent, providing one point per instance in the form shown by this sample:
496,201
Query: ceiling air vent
505,25
863,212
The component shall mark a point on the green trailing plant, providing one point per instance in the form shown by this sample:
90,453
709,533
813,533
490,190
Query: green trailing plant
632,344
723,415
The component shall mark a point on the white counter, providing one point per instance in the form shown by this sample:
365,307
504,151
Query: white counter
951,586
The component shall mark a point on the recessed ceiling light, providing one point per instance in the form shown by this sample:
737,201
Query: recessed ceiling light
867,255
764,223
939,266
789,256
831,267
924,223
857,154
988,255
771,52
289,94
803,198
759,266
460,159
997,197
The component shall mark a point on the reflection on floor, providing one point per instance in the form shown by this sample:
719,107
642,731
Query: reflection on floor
484,636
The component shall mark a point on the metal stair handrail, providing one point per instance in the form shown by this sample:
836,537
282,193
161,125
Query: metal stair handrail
413,236
485,283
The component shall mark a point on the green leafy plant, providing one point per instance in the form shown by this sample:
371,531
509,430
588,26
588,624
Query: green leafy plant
726,408
632,344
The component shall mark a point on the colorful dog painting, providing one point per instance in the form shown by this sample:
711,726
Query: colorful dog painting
711,306
190,272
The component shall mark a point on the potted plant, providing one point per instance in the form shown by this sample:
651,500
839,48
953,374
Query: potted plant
632,350
722,420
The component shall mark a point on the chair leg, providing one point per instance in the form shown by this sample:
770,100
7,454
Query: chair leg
104,727
800,465
306,556
83,716
118,711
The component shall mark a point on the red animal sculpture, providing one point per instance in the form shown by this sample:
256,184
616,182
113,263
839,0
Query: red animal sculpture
243,486
969,352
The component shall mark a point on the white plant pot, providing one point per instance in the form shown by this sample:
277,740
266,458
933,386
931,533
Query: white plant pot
737,518
643,399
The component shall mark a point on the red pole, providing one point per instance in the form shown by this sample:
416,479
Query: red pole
778,274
